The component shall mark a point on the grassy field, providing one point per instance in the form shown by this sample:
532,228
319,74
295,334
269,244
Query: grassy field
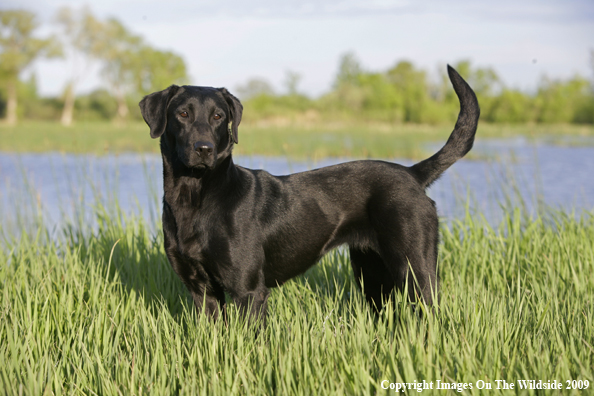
313,141
97,309
103,313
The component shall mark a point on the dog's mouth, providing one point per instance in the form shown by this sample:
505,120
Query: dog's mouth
200,166
192,160
197,170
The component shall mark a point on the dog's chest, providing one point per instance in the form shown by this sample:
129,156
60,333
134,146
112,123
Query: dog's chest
188,225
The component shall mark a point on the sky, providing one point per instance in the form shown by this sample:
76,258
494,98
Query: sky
226,43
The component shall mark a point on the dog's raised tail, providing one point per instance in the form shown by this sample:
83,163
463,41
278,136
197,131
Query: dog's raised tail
461,139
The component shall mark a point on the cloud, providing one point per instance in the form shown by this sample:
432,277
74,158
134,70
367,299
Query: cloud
550,11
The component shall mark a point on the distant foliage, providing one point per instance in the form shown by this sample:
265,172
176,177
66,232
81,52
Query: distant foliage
19,48
131,68
405,94
254,88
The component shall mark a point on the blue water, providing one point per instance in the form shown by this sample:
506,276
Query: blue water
66,187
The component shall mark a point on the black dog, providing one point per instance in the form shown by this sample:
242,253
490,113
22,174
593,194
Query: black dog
243,231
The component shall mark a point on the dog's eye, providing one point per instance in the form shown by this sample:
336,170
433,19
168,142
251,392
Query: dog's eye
184,114
217,117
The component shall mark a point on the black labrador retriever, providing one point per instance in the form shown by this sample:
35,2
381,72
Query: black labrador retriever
243,231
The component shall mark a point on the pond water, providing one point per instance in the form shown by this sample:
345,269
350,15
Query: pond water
513,172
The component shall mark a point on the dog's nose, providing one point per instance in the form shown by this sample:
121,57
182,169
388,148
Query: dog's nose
204,149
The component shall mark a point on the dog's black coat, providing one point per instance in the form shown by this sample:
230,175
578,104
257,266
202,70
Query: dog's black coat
243,231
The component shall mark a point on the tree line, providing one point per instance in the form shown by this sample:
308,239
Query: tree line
131,68
405,94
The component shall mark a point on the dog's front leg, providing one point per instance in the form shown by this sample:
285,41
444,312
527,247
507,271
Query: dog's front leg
254,304
208,296
253,301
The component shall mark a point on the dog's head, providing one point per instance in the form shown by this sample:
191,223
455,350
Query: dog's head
197,124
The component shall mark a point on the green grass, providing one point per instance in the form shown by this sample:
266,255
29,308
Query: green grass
313,141
103,313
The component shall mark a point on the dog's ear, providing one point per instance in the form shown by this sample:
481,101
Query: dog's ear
153,108
236,109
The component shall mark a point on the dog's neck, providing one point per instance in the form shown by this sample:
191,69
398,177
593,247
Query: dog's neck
189,187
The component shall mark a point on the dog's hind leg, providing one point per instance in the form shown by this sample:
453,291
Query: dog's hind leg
372,276
412,269
407,238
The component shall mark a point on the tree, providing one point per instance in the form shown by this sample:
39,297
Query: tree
81,33
128,64
292,80
155,70
510,106
132,67
348,93
18,49
379,94
254,87
117,51
557,101
349,69
412,87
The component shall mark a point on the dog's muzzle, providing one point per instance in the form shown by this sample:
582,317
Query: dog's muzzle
199,155
204,149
